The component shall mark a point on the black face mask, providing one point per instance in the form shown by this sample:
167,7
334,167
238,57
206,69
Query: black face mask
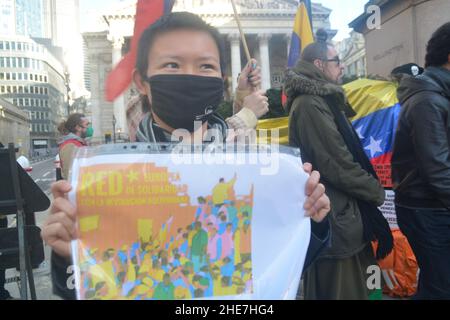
179,100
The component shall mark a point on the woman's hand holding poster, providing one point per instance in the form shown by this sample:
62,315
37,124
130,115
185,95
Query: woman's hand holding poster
151,227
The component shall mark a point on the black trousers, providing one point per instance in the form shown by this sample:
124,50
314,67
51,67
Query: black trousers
428,233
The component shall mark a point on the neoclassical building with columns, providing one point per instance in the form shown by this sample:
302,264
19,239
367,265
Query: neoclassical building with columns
267,24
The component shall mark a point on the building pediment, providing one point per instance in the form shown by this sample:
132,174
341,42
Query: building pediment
275,16
127,9
263,4
319,9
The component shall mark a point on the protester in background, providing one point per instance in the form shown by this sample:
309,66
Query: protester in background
421,167
405,70
319,126
74,130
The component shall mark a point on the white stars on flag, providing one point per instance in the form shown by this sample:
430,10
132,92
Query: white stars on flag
374,147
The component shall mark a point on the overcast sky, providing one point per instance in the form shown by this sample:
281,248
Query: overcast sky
344,11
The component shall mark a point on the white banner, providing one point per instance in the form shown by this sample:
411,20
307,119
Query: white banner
152,229
388,209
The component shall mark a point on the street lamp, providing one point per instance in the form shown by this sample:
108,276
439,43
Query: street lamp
114,128
67,83
119,131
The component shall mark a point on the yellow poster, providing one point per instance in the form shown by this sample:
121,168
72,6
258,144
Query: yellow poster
142,236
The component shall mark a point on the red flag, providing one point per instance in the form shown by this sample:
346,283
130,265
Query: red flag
147,12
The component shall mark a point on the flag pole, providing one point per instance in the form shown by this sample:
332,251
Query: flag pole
241,31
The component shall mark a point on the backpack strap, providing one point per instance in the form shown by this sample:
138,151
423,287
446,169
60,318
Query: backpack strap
71,141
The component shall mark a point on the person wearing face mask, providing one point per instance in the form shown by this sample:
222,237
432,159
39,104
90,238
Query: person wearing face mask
179,71
319,126
195,76
74,130
248,106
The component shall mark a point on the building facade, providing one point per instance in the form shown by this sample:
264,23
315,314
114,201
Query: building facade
14,127
352,52
30,19
63,25
57,20
40,47
406,27
268,26
23,17
33,80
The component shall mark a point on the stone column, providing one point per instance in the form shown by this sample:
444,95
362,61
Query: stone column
287,38
95,99
265,60
235,59
119,103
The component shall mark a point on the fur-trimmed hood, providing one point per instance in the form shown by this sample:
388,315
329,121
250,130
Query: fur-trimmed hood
307,79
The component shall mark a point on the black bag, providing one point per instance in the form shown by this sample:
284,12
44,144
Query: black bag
9,247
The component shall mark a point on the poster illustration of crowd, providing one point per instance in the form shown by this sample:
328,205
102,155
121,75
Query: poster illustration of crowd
150,230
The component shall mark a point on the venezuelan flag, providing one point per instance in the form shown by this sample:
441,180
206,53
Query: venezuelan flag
302,34
377,108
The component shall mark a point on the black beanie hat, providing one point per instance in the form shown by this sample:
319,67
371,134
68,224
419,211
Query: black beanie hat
411,69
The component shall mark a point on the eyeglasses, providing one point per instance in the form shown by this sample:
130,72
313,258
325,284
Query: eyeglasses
335,59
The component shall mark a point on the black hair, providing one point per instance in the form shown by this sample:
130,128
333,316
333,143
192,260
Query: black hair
438,48
174,21
317,49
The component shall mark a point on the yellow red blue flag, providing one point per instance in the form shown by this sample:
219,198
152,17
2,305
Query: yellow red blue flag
302,34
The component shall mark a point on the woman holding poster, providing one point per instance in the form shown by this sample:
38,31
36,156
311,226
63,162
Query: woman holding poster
179,69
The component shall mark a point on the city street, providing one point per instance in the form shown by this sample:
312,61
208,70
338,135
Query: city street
44,174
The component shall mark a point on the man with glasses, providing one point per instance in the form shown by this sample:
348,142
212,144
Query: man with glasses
318,125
